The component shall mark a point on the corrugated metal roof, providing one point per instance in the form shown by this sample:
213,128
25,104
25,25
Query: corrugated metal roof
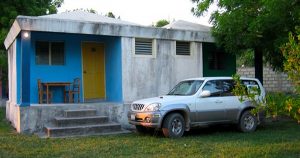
86,16
185,25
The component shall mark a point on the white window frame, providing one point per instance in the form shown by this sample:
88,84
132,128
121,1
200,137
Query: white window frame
192,49
153,55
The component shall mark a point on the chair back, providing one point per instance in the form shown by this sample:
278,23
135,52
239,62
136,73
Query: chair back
76,84
40,86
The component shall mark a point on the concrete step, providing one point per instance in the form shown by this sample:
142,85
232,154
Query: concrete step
83,130
80,112
73,121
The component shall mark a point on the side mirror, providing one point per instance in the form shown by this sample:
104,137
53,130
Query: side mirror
205,93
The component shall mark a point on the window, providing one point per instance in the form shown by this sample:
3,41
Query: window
219,87
143,46
214,87
49,53
228,86
189,87
182,48
252,86
216,61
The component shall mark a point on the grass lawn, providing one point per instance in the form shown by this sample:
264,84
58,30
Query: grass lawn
277,139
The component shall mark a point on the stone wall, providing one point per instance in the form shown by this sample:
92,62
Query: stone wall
273,81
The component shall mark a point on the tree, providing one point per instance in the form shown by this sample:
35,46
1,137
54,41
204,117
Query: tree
110,14
162,23
10,9
91,10
257,25
291,52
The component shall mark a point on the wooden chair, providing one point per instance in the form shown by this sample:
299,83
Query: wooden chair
73,91
42,94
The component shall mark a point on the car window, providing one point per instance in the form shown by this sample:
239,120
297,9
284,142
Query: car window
228,87
214,86
189,87
219,87
252,86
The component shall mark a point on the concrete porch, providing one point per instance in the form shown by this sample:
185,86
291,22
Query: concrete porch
35,118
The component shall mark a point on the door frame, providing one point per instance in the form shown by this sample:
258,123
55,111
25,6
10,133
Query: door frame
83,86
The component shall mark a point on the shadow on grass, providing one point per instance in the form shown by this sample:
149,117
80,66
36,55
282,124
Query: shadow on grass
270,128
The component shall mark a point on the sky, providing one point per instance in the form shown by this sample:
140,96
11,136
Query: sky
145,12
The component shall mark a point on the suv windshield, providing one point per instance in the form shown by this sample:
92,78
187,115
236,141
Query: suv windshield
189,87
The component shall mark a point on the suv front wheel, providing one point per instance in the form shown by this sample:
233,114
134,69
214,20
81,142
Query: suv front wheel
248,122
173,126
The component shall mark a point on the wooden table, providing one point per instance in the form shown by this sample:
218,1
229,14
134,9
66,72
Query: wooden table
54,84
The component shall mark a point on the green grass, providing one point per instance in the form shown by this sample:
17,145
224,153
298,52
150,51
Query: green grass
275,139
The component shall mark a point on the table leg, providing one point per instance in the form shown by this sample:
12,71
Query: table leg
47,94
70,97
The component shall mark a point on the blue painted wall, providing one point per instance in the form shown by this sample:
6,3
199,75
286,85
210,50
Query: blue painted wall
112,68
73,65
18,69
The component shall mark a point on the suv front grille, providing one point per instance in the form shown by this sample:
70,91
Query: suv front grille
137,107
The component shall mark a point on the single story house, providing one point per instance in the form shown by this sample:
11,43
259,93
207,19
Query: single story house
116,62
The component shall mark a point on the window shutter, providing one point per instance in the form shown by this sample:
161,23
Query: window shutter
143,46
182,48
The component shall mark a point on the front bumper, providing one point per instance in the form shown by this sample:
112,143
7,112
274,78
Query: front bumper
147,119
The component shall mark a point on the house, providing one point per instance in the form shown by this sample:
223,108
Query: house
116,61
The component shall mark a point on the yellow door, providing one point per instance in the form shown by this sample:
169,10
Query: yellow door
93,70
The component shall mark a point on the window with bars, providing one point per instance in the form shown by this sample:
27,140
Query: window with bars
49,53
183,48
216,61
143,46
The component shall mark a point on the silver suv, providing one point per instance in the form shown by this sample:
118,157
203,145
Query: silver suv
196,102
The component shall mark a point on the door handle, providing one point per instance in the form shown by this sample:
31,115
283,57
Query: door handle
84,72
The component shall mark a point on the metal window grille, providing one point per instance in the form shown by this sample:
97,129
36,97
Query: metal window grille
183,48
143,46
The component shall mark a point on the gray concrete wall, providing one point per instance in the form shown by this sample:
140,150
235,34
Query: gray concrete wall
147,76
273,81
32,119
13,115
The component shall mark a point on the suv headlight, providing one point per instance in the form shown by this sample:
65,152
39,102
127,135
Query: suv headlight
153,107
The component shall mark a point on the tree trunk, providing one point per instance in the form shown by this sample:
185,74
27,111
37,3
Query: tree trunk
258,62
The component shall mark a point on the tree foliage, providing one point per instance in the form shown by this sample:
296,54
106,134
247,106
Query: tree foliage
10,9
274,105
110,14
291,52
91,10
162,23
245,59
240,25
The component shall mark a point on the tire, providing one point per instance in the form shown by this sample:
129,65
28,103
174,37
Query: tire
173,126
248,122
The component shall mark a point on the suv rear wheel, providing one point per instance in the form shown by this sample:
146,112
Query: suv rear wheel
248,122
173,126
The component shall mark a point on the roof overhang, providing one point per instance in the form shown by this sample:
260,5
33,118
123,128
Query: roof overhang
12,34
29,23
